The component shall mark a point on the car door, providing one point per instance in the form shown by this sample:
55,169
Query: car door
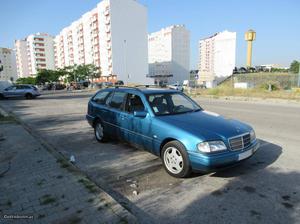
116,118
99,108
10,91
138,129
20,91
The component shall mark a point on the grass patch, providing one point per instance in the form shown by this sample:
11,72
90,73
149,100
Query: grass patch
281,84
258,92
90,200
8,203
74,220
123,221
47,199
63,163
40,216
88,185
41,182
6,118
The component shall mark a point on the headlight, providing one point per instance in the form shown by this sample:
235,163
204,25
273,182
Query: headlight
213,146
252,136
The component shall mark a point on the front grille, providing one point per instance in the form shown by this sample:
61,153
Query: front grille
239,142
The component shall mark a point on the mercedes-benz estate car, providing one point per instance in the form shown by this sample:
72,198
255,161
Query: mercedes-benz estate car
27,91
172,126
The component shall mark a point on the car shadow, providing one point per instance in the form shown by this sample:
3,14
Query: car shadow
267,154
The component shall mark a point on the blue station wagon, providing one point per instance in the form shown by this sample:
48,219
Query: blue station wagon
172,126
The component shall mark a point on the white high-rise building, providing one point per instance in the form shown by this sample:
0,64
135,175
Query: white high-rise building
33,53
216,58
8,69
22,58
113,36
169,54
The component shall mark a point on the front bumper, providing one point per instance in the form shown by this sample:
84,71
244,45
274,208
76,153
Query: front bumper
90,119
206,162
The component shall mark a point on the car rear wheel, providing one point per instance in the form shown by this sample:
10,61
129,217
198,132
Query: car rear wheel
29,96
2,97
175,159
99,132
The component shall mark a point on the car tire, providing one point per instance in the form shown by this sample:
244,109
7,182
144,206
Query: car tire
2,97
28,96
175,159
99,131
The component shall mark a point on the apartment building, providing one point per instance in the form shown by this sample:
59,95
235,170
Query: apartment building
113,36
33,53
8,69
169,54
216,58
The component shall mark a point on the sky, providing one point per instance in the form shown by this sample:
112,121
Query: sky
276,22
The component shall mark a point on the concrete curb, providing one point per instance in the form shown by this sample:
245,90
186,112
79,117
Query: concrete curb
139,214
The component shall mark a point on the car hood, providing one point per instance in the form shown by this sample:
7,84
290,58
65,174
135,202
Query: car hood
206,125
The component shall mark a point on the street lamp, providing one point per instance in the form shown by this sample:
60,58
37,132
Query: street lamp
125,60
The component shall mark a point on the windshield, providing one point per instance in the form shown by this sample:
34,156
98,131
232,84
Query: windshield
171,103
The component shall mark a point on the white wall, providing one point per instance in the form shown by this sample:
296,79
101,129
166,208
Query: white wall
8,62
22,58
216,57
169,53
130,58
224,55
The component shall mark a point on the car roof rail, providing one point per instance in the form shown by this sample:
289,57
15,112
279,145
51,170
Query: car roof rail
125,87
148,86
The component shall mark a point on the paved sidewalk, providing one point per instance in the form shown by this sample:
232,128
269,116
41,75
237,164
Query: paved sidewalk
46,190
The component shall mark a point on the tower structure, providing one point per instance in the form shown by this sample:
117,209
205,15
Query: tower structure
250,36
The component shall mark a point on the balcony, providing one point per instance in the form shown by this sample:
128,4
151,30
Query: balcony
106,12
39,44
107,21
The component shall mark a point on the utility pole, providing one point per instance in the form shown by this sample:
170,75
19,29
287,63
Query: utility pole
125,61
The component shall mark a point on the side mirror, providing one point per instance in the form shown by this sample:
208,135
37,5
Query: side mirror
141,114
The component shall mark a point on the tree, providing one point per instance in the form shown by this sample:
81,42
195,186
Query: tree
82,72
47,75
294,68
28,80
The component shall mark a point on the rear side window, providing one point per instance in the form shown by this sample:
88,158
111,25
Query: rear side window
100,97
134,103
118,100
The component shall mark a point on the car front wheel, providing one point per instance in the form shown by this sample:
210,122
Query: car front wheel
29,96
99,132
175,159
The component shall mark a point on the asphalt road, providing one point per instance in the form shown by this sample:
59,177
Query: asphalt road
263,189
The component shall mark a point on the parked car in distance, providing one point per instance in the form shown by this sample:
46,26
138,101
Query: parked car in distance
119,83
27,91
102,85
172,126
176,86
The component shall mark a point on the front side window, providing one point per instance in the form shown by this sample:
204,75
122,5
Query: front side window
171,103
118,100
100,97
134,103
